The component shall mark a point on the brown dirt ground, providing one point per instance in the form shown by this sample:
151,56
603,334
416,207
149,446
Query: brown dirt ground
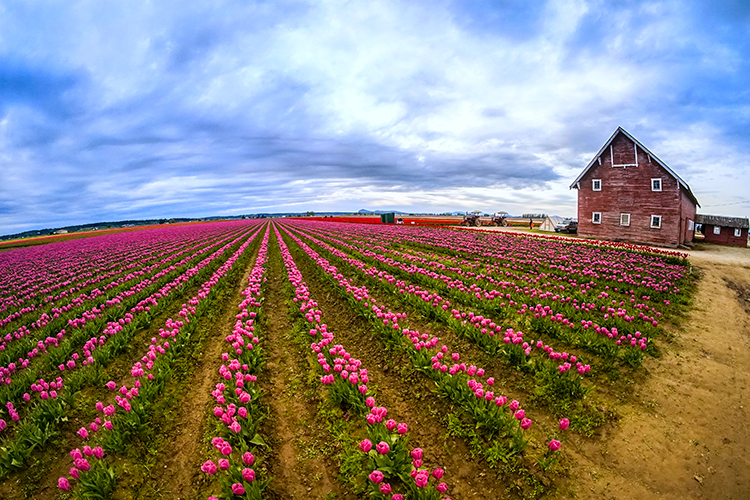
299,469
685,432
177,474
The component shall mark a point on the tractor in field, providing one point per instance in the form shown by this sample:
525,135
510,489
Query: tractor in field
500,219
471,220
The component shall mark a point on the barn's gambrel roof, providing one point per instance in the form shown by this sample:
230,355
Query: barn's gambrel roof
648,152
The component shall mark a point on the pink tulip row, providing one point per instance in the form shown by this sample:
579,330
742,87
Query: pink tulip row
106,280
38,271
148,368
370,250
95,312
232,403
100,275
113,328
386,462
513,252
479,294
452,379
42,347
461,319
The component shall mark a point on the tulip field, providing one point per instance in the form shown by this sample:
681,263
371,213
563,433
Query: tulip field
293,358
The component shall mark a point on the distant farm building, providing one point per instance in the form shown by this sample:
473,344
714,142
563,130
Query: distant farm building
550,222
724,230
61,231
626,193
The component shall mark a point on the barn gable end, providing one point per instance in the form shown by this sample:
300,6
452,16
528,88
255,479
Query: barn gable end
626,193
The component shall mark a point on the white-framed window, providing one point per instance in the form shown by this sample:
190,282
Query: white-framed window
691,225
596,184
656,184
737,232
717,229
596,217
656,221
624,219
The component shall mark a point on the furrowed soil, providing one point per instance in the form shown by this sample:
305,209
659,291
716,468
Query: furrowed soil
298,439
176,473
406,396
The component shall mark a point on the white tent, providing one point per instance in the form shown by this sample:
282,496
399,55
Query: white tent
550,222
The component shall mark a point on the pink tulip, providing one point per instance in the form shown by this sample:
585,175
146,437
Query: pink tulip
554,445
63,483
238,489
438,473
248,458
385,488
248,474
383,448
209,467
564,424
402,428
442,487
416,453
366,445
376,477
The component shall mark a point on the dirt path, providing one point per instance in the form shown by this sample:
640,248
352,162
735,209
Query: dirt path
177,475
686,435
297,464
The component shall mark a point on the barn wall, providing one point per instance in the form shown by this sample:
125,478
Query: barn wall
688,214
726,237
628,190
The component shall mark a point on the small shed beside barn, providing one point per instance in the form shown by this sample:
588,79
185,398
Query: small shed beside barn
550,222
724,230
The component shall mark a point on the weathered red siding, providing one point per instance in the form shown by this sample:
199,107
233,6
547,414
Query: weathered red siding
725,237
628,190
687,217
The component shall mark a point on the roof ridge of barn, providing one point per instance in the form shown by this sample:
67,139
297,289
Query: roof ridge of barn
644,148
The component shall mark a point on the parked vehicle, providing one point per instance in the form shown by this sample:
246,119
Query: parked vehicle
569,226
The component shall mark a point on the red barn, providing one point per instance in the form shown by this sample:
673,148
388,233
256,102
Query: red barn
626,193
724,230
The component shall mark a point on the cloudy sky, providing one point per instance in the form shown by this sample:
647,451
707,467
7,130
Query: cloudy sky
113,110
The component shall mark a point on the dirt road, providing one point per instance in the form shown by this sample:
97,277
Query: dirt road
685,434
